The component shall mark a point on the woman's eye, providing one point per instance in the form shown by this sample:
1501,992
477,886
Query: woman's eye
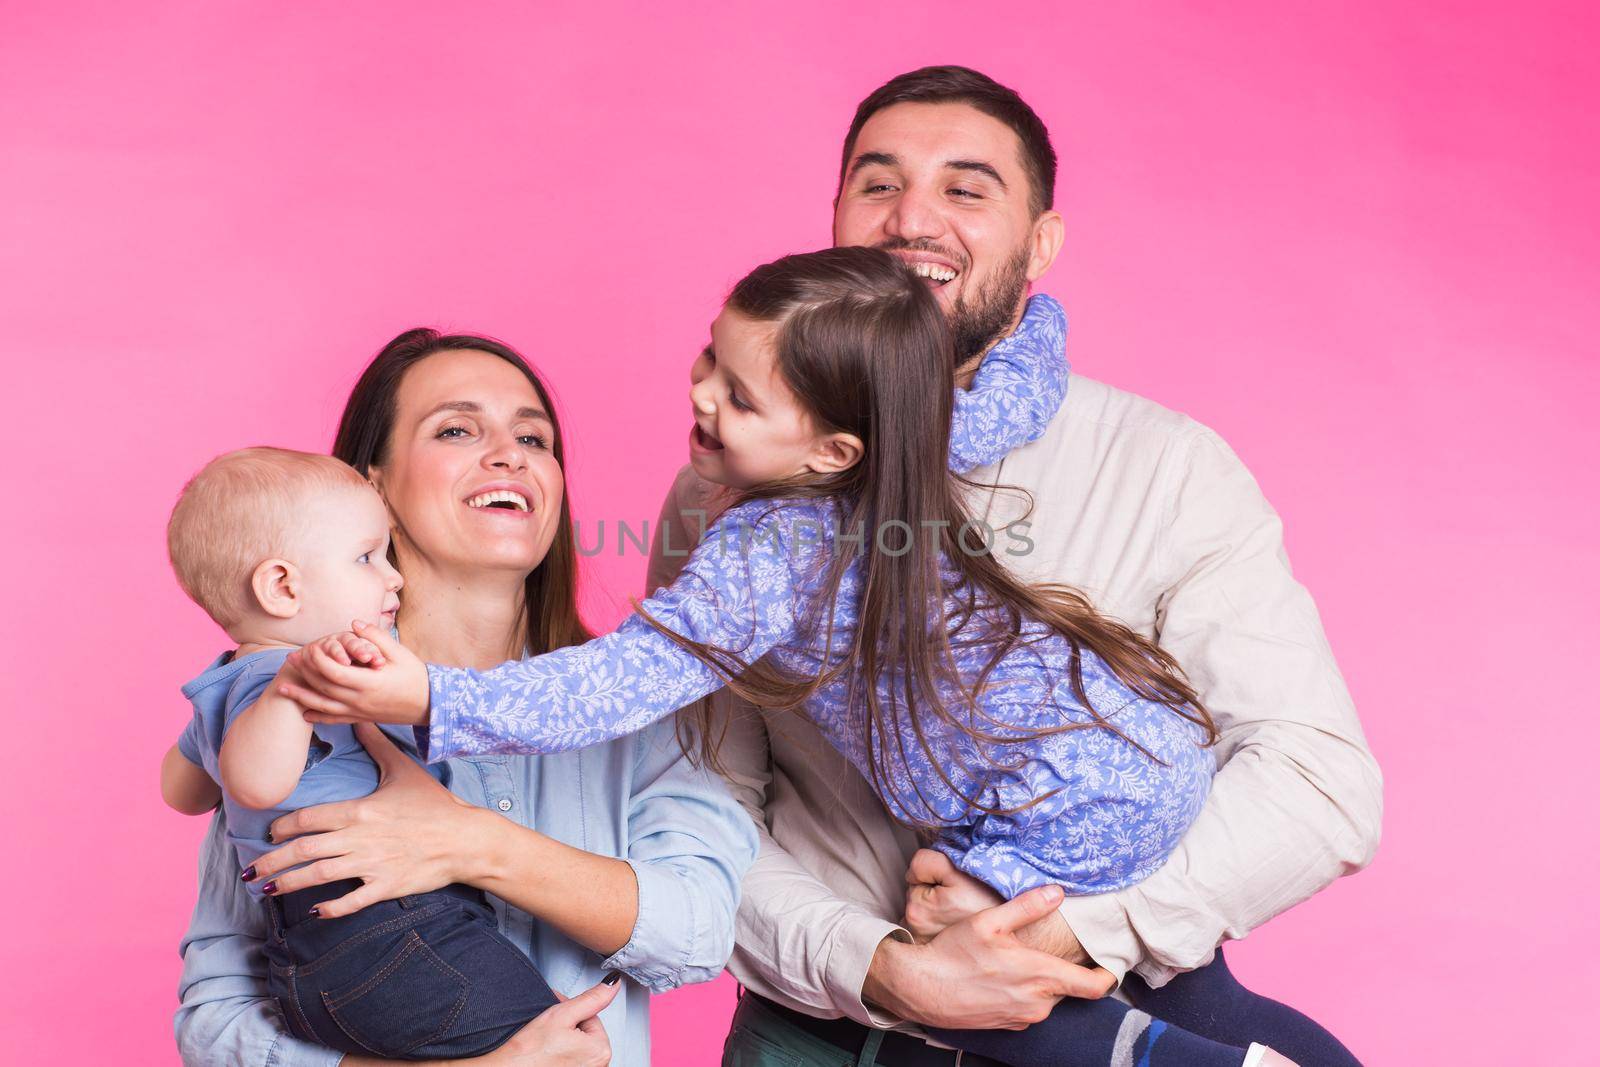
533,440
452,432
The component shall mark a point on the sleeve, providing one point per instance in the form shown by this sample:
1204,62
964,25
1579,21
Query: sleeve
1298,799
735,594
689,844
1019,387
796,941
225,1017
191,740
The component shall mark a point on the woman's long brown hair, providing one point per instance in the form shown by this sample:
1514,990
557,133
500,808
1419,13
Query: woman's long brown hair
864,346
367,427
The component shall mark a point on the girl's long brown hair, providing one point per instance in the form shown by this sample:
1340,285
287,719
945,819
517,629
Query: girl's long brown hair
864,346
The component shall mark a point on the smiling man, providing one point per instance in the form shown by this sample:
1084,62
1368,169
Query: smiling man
1153,517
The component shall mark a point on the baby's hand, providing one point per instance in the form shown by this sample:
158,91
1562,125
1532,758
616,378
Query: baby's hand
364,676
346,649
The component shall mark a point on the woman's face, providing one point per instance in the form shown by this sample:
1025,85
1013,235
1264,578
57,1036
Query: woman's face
470,480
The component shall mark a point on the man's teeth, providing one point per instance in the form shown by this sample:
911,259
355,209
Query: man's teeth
933,271
499,496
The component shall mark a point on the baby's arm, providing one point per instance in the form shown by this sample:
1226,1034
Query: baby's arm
264,750
186,788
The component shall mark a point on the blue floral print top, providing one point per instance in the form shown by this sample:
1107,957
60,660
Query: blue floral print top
1087,809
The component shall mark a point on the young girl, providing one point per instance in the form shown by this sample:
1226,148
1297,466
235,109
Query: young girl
1035,741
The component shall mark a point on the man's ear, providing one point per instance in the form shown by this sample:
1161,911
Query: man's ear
1044,244
276,585
834,453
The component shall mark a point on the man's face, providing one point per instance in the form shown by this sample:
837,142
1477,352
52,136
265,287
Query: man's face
943,186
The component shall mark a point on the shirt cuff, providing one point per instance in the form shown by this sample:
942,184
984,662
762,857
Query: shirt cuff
289,1051
1101,926
665,932
854,945
433,740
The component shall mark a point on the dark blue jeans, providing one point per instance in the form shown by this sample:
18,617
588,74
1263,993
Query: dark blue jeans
423,977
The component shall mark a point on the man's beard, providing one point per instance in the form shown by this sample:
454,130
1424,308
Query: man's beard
977,324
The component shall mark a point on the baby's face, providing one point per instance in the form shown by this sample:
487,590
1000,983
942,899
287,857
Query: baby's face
343,559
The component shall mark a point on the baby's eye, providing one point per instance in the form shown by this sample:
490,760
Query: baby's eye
366,557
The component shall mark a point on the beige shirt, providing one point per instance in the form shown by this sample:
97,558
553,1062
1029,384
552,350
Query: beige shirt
1152,516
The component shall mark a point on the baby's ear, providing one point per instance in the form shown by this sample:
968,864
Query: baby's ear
836,452
276,586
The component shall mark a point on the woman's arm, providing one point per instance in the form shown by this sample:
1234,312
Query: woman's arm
413,836
689,843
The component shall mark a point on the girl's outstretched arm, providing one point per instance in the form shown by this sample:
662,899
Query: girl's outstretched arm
1017,391
735,594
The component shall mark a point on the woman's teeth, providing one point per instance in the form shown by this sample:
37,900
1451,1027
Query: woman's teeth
501,498
933,272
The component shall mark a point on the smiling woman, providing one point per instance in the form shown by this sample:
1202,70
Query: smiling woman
461,439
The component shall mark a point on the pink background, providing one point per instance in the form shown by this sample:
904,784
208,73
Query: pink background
1357,239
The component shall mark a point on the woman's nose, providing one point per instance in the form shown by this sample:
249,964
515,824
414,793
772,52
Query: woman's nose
506,454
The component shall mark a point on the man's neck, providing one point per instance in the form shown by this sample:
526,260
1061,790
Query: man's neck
476,621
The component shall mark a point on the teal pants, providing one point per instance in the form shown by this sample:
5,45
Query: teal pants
759,1038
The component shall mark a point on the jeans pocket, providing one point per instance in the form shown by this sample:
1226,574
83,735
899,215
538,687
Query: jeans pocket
411,998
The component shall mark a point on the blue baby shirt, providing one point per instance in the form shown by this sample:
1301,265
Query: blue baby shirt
337,766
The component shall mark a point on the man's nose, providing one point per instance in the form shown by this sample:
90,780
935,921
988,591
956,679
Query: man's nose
916,214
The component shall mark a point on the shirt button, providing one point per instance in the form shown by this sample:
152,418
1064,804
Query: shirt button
503,804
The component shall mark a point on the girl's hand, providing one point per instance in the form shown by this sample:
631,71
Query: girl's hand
364,676
409,836
939,895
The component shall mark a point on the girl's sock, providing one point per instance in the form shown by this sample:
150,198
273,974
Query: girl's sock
1211,1001
1095,1033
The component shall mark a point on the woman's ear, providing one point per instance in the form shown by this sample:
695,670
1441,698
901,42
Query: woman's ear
375,479
276,585
836,452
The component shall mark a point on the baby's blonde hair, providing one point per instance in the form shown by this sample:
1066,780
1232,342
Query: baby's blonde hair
242,508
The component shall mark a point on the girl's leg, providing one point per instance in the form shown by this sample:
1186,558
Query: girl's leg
1095,1033
1211,1001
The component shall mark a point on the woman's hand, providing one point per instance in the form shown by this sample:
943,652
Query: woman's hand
362,676
409,836
567,1035
938,895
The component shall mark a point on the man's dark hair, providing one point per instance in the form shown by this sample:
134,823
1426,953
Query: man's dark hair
963,85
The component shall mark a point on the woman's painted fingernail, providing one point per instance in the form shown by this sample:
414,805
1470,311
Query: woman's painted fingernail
315,913
249,873
270,888
269,835
611,978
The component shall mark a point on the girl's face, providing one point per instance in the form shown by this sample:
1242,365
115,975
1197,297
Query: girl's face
749,427
470,480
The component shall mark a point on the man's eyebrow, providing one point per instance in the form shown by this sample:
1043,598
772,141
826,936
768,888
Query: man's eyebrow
873,159
977,166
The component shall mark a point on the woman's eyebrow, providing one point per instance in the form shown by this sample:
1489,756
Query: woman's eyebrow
471,408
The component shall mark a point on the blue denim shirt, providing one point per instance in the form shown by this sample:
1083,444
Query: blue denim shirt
638,798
